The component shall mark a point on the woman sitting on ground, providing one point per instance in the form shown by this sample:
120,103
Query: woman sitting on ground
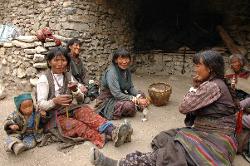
79,71
118,97
211,140
240,81
56,89
239,75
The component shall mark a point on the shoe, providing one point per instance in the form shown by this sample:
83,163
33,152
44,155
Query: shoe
246,156
120,134
128,138
98,159
18,148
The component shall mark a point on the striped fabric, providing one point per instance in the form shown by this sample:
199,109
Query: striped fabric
208,149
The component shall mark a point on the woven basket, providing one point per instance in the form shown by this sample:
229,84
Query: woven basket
159,93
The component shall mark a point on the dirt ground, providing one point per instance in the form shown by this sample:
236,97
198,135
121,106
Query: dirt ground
160,118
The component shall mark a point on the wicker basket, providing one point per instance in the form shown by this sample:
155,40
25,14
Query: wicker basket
159,93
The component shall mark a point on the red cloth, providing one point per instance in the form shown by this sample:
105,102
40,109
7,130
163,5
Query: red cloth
85,124
239,122
244,75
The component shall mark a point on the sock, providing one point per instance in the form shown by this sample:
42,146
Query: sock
109,130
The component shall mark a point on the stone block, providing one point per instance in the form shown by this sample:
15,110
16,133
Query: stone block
27,39
40,49
69,11
69,33
21,73
30,51
23,44
49,44
25,64
75,26
4,62
48,10
7,44
6,70
38,43
67,4
77,18
31,72
16,52
55,26
3,93
36,26
40,65
2,51
38,57
62,37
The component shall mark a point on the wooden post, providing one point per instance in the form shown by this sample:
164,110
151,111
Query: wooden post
233,48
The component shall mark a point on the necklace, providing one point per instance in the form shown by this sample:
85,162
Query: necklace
57,83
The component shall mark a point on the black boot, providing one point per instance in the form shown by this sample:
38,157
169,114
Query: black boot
98,159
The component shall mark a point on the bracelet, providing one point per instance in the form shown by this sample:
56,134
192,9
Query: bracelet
76,92
134,99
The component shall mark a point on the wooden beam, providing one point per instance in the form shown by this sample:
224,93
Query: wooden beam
233,48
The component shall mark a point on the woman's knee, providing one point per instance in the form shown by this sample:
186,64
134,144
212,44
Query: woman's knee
129,108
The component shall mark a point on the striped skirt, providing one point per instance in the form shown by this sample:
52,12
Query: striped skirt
204,148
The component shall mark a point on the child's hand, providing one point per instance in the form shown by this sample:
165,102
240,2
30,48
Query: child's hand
14,127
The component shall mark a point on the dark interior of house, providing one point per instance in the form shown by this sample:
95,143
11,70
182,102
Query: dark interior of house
168,25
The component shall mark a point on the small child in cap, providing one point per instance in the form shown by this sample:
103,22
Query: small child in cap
21,125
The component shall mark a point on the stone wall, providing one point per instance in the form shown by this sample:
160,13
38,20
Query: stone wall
101,25
157,62
22,60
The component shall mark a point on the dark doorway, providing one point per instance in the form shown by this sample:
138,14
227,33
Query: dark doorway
168,25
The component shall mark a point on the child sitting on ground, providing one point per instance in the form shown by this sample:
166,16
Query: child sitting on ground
21,125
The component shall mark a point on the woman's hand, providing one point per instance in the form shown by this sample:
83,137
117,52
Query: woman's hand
63,100
14,127
196,81
83,89
72,86
143,102
233,82
97,83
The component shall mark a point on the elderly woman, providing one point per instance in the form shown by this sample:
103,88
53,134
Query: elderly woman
211,140
118,97
240,81
239,75
56,93
79,71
